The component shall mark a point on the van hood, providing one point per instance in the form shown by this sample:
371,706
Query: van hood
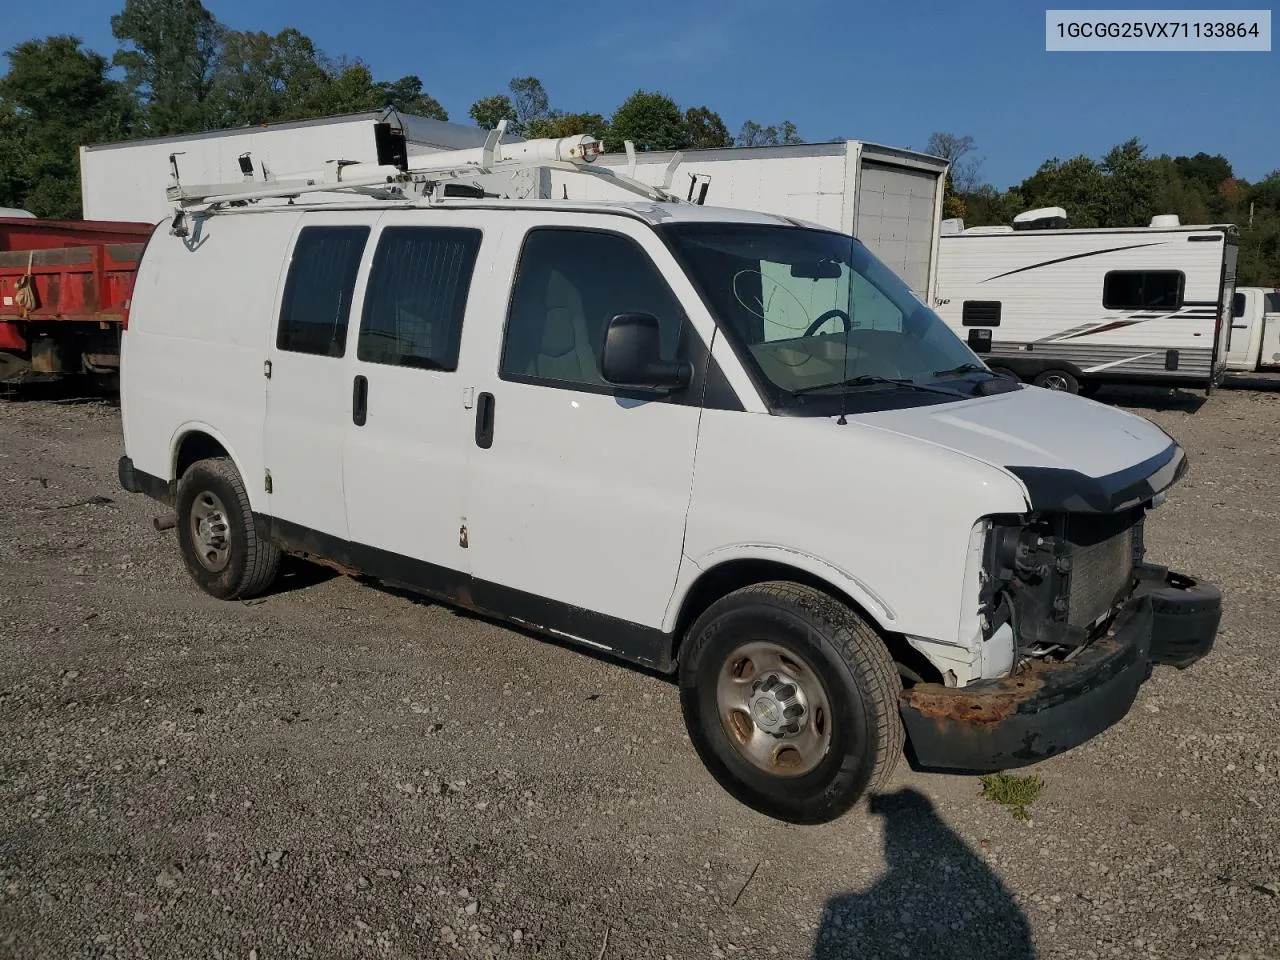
1070,453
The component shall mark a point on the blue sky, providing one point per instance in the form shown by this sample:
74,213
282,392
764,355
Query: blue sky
881,71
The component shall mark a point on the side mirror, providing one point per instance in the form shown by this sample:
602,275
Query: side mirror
633,357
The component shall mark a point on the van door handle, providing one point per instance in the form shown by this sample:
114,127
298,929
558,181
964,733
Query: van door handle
360,401
484,421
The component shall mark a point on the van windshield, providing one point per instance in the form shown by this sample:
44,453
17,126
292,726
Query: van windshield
817,315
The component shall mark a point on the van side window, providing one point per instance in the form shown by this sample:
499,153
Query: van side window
1143,290
1237,306
980,313
570,283
318,290
416,297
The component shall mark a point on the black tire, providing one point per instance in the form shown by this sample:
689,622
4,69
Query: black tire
859,682
251,560
1062,380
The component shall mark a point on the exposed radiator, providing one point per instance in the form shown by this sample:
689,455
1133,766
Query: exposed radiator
1101,567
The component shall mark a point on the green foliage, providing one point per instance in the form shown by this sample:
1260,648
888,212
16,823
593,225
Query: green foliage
754,135
1127,187
704,129
557,124
530,100
953,204
170,58
488,112
55,97
1016,793
651,121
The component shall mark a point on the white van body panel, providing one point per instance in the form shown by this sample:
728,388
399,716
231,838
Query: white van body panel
798,491
1032,428
405,469
201,319
582,497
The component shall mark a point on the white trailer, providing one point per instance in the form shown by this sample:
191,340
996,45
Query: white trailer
118,181
1071,309
888,198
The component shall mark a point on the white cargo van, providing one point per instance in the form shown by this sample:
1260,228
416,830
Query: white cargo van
721,444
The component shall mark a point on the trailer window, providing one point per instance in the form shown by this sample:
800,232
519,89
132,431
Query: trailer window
980,313
1143,290
318,290
416,297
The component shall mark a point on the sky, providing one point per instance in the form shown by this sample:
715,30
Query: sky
884,72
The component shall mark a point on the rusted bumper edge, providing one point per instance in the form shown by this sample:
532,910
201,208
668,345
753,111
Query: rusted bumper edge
1044,710
136,481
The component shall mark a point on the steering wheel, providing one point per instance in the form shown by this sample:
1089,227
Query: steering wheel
844,318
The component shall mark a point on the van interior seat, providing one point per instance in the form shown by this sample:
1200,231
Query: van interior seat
565,350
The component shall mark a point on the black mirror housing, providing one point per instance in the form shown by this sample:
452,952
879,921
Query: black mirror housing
632,356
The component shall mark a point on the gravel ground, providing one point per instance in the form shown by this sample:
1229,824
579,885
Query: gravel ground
342,771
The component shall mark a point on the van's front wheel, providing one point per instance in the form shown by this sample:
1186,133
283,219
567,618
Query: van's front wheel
791,701
225,553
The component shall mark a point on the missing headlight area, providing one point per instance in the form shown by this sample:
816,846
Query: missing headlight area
1059,578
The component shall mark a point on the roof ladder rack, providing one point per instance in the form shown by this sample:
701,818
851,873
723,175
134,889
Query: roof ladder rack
388,182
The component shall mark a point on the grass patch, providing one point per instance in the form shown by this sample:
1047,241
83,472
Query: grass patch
1016,793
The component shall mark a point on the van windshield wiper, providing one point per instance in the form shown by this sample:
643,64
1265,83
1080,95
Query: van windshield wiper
963,368
867,379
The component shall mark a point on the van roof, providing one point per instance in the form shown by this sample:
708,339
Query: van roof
650,212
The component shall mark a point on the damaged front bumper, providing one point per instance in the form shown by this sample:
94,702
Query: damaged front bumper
1052,706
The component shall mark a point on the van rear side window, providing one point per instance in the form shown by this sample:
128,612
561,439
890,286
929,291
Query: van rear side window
416,297
319,289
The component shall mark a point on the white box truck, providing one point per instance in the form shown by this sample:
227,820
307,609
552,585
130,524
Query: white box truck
125,181
890,199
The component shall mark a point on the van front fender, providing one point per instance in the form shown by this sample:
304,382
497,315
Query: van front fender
692,570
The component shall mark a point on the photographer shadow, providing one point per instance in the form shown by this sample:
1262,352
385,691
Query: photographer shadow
937,899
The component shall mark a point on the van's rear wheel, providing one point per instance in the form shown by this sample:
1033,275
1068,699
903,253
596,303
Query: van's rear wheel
225,552
791,701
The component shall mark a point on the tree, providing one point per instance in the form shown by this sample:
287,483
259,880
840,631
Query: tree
55,97
261,78
705,129
1132,186
488,112
558,124
754,135
1210,171
954,149
407,96
170,58
529,98
651,121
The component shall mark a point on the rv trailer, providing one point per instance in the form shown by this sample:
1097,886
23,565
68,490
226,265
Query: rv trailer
1071,309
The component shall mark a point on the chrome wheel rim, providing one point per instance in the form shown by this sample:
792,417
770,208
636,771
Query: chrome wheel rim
774,709
1055,381
210,532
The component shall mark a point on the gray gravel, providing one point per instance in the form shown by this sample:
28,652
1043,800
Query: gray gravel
342,771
